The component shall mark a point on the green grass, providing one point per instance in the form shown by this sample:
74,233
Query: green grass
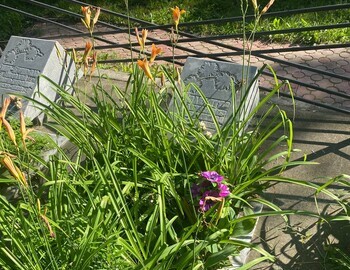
198,10
204,10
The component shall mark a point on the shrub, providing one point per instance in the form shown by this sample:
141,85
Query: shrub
148,188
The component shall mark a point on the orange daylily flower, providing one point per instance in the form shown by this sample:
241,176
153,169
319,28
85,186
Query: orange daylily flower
176,16
14,170
144,64
87,16
24,131
142,40
154,53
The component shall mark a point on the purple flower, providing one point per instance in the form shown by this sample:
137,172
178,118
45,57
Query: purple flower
224,191
210,190
195,190
212,176
204,203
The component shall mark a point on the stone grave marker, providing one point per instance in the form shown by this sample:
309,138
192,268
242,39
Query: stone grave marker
21,64
215,79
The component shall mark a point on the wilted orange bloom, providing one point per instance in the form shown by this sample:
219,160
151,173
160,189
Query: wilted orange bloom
94,63
145,67
14,170
88,48
24,131
87,11
45,219
176,16
87,16
142,40
266,8
154,53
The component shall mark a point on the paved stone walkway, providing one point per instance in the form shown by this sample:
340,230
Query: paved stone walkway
331,60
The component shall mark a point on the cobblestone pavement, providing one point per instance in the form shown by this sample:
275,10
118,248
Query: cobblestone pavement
331,60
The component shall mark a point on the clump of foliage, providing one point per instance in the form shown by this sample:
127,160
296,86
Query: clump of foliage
148,187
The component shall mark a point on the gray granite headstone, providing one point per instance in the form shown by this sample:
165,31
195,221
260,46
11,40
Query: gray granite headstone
215,79
21,64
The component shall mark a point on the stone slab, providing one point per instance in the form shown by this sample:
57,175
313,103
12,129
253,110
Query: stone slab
216,80
26,62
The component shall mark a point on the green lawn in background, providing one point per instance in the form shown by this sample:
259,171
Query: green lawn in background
197,10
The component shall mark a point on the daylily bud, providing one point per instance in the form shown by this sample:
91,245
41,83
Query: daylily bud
142,40
178,75
97,14
4,108
266,8
24,131
144,34
22,123
14,170
7,162
74,56
255,4
208,134
162,79
9,130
